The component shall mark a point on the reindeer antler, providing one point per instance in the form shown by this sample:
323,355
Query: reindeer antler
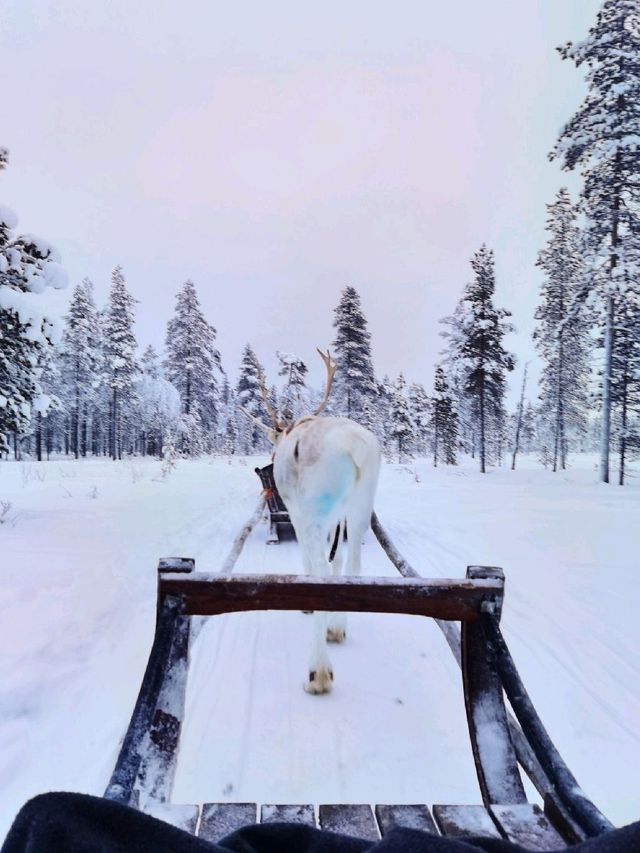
331,366
255,420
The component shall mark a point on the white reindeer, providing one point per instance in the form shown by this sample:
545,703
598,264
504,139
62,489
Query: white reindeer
326,470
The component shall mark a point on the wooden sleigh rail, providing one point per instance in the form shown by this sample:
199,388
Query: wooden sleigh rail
145,768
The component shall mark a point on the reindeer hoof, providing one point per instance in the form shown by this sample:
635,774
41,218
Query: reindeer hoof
320,681
336,635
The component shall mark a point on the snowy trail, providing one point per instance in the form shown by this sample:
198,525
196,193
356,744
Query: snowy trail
77,620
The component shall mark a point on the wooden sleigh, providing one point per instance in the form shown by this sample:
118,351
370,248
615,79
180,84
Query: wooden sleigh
145,768
280,526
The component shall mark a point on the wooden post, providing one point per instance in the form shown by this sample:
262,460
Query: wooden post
149,750
160,750
493,752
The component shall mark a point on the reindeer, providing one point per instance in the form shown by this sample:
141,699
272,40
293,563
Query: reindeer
326,470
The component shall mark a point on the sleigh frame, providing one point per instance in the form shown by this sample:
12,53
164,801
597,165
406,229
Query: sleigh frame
145,768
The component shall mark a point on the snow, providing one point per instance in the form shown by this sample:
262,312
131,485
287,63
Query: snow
8,217
80,545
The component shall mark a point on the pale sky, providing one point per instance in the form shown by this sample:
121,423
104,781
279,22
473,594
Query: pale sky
276,152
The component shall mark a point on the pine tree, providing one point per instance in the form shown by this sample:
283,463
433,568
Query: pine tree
420,412
475,335
120,368
248,397
28,265
401,427
191,365
158,405
561,336
528,434
625,383
78,363
444,421
294,397
150,362
602,139
354,381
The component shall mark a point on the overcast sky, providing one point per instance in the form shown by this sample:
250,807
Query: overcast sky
275,152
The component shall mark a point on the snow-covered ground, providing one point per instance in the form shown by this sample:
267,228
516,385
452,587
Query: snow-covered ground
79,545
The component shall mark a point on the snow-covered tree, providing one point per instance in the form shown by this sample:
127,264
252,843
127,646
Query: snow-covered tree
561,336
248,397
354,380
228,421
158,405
78,363
385,397
28,265
528,433
603,141
420,411
444,421
119,364
625,383
294,398
475,335
401,428
192,364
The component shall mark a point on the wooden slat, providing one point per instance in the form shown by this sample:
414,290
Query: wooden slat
184,817
209,594
408,816
528,826
288,814
461,821
354,820
220,819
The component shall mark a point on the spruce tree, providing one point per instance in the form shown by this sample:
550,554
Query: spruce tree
28,265
625,384
119,364
561,336
476,332
78,363
401,430
294,396
191,364
248,397
420,411
602,140
158,406
354,381
444,421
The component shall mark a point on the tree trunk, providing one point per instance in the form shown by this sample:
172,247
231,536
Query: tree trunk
482,431
516,443
39,437
605,437
114,423
435,442
623,425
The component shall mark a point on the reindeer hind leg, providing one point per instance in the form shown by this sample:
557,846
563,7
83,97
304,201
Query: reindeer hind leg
337,622
320,671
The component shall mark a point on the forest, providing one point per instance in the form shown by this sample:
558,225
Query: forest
84,385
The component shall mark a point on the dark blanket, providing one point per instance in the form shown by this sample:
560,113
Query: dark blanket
76,823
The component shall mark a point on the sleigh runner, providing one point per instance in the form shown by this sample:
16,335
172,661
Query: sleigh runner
145,768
